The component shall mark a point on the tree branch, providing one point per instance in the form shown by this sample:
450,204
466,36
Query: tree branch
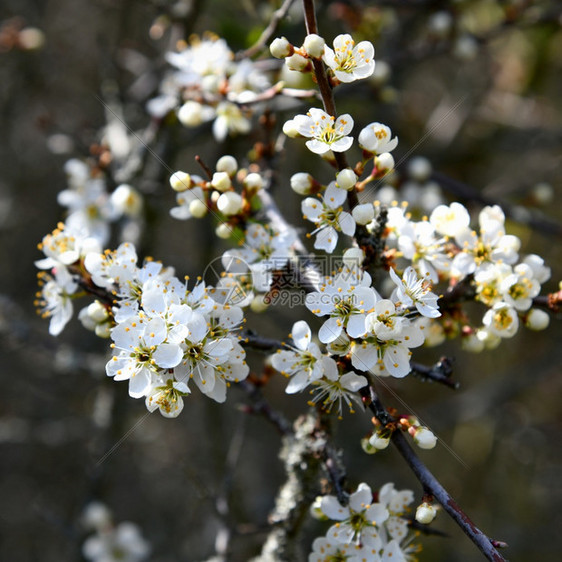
267,33
432,486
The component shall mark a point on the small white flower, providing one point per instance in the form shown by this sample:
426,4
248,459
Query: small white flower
450,220
347,298
359,521
167,397
377,138
335,389
304,363
230,120
327,132
425,513
411,290
501,320
330,217
121,543
350,62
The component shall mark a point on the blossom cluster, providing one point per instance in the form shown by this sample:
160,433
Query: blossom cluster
487,260
207,84
109,542
369,528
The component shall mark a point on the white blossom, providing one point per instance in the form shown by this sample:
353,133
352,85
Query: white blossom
377,138
327,132
329,216
350,62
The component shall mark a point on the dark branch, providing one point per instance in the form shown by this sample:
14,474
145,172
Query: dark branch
432,486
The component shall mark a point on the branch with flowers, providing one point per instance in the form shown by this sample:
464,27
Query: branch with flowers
399,283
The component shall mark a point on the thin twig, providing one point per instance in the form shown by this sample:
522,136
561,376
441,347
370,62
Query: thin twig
267,33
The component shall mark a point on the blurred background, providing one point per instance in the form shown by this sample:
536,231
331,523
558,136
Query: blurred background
474,86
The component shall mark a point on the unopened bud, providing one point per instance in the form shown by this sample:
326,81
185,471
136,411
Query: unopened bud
281,48
230,203
379,442
302,183
221,181
224,231
384,162
316,509
297,62
363,214
198,208
190,114
259,304
472,343
290,129
537,319
103,330
346,179
97,312
425,513
180,181
424,438
227,164
253,182
314,45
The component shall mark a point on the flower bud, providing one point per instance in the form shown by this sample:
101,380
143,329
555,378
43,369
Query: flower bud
314,45
472,343
281,48
440,24
363,214
31,39
198,208
253,182
379,442
259,304
425,513
346,179
227,164
290,129
297,62
103,330
367,447
224,231
302,183
384,162
221,181
424,438
97,312
490,340
180,181
543,193
537,319
190,114
230,203
419,168
127,200
86,320
316,509
211,84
